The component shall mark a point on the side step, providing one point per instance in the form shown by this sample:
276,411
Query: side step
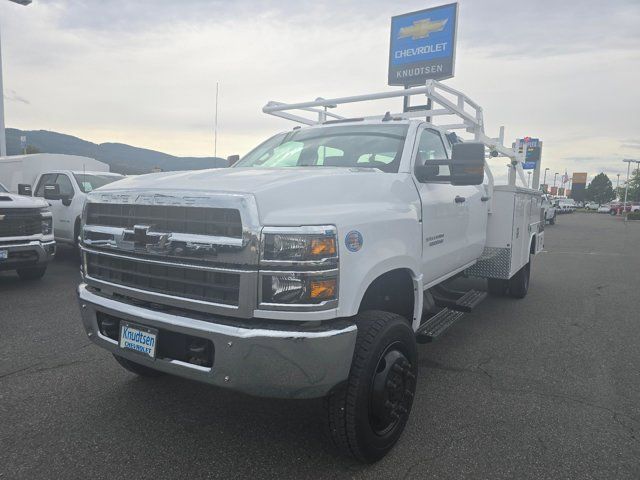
436,325
462,301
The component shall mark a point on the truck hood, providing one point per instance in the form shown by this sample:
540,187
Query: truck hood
10,200
285,196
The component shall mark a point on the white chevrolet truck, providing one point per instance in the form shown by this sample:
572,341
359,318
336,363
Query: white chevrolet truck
26,235
314,265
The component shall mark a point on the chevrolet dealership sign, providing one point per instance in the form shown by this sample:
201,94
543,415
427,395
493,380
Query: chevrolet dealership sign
423,45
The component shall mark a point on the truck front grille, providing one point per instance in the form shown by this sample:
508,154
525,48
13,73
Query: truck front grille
223,222
20,222
166,278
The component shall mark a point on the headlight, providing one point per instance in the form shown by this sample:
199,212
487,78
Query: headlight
47,221
300,288
298,268
293,245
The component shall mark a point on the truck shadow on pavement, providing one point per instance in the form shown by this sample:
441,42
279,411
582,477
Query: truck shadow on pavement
207,428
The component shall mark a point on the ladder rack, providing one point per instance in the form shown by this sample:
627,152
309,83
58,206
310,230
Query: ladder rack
444,101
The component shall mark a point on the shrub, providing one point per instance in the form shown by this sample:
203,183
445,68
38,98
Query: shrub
633,215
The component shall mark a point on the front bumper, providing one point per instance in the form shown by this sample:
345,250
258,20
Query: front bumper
27,254
291,363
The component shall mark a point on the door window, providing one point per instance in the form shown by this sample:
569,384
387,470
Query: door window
432,148
66,188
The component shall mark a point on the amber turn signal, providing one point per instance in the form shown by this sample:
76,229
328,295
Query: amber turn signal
323,247
323,289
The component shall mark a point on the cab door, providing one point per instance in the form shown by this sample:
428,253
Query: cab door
445,212
63,223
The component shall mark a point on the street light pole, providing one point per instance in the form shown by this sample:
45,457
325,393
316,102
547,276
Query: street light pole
544,179
3,137
529,180
554,179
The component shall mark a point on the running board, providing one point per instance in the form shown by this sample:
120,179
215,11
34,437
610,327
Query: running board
435,326
457,300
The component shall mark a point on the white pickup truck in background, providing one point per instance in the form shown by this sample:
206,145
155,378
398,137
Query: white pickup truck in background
26,235
74,176
68,197
314,265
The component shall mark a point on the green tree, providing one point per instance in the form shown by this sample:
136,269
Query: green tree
634,187
600,190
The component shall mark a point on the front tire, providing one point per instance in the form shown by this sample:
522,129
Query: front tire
136,368
552,220
368,413
31,273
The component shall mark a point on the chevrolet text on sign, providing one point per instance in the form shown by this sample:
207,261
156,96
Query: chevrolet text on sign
423,45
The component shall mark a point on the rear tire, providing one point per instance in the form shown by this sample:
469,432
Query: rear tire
368,413
519,283
497,286
31,273
552,220
137,368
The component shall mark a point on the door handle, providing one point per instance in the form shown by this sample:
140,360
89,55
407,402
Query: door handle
484,199
460,199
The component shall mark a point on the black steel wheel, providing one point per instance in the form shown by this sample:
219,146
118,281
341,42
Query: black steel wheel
368,413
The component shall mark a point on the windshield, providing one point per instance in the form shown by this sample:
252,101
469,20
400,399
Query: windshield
366,146
90,181
2,189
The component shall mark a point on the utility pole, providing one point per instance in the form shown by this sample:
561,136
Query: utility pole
3,137
215,126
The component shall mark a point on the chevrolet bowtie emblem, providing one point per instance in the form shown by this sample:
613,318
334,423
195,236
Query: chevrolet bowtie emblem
422,28
141,237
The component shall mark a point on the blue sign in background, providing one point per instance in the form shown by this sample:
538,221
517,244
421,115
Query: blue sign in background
446,36
422,45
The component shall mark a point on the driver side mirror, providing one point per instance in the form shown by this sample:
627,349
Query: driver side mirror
427,172
52,192
467,163
232,159
24,189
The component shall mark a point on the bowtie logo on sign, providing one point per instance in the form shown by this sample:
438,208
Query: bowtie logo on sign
422,29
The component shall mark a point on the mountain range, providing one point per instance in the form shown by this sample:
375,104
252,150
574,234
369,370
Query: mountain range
120,157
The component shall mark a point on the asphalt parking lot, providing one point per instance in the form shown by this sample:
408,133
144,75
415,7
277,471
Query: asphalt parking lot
545,387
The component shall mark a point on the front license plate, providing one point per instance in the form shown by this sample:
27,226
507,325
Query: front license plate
4,254
138,338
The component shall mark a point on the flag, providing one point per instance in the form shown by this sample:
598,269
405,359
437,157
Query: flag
565,177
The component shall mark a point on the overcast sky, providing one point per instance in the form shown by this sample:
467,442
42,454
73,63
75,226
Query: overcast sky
144,72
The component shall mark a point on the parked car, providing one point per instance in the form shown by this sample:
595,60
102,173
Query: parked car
565,205
604,208
592,206
618,207
549,210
